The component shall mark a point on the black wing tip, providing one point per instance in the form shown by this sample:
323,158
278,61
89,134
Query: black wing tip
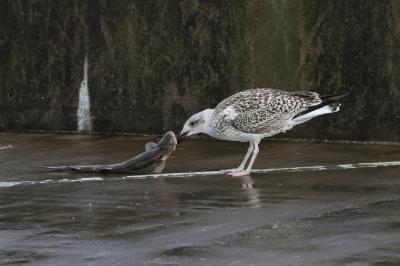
333,97
332,100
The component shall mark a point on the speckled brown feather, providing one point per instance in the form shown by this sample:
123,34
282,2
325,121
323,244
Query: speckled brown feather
260,111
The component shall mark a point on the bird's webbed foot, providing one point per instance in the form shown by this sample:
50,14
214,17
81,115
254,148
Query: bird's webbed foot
231,171
239,173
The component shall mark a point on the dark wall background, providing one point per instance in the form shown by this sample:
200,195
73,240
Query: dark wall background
153,63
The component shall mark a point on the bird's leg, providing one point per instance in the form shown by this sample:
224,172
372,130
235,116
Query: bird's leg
245,159
253,157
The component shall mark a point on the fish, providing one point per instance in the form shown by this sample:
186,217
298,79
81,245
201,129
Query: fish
153,159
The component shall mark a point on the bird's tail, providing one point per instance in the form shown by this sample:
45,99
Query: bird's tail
331,102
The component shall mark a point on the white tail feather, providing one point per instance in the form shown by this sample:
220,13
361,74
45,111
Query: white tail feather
327,109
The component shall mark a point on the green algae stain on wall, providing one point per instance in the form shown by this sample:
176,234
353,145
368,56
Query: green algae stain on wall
147,60
356,51
154,63
274,33
36,64
333,47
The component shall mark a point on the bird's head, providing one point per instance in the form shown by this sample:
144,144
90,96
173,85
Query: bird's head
196,124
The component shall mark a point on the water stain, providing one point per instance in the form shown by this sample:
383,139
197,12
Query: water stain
311,217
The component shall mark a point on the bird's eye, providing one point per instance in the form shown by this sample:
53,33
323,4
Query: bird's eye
192,123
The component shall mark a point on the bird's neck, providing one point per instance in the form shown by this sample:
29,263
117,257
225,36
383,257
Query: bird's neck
208,114
208,117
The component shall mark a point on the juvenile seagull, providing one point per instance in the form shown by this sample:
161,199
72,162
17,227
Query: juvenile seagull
251,115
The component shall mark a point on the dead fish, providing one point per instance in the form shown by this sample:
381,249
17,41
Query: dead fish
154,157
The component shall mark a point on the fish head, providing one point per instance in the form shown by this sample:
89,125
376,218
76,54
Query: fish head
168,142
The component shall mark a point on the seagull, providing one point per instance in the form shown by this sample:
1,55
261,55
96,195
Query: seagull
251,115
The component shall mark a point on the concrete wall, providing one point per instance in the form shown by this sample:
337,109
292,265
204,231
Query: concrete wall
153,63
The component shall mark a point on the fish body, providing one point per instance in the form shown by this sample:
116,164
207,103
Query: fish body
152,159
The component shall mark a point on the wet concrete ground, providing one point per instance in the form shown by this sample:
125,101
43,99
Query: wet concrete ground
335,217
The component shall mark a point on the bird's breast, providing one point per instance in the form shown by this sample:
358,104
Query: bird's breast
231,134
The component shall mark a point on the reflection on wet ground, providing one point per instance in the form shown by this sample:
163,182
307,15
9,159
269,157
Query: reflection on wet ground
334,217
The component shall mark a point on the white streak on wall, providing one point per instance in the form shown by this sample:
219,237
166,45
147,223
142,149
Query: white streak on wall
84,120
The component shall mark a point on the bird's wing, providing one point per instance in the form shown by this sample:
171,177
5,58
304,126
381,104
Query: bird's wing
261,110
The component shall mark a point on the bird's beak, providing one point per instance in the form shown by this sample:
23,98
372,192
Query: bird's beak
182,135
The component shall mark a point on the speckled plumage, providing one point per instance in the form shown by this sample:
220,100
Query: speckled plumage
250,116
264,112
